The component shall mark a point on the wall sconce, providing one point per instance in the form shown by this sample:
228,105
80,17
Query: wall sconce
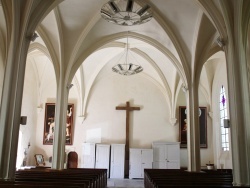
50,159
23,120
28,145
226,123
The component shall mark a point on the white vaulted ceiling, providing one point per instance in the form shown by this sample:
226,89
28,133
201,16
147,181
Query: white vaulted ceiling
169,47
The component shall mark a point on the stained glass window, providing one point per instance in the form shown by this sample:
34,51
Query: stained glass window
223,115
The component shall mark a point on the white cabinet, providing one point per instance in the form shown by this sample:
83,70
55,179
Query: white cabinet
138,160
166,155
88,155
117,161
102,156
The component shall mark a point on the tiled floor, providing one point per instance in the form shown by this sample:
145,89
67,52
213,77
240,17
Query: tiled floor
125,183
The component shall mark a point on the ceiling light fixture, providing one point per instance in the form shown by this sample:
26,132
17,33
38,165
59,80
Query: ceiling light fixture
126,68
126,12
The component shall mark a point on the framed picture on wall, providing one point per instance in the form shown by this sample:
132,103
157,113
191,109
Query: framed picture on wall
183,126
49,124
39,160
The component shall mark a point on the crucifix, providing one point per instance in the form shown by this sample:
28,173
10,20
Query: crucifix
128,108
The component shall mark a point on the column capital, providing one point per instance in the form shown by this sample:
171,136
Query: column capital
184,88
173,121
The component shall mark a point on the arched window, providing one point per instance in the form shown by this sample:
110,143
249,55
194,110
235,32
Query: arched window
223,115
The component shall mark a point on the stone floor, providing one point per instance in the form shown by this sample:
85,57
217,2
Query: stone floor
125,183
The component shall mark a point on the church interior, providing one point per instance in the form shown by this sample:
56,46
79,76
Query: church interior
65,81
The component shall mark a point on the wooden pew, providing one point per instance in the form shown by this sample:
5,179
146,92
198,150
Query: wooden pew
180,178
12,184
157,178
89,180
188,181
68,178
102,173
54,179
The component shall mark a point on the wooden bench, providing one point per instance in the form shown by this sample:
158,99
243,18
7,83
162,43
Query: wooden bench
68,178
12,184
89,180
96,177
157,178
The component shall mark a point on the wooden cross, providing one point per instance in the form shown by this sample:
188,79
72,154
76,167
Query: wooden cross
128,108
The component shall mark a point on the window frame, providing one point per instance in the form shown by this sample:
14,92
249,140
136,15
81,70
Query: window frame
224,132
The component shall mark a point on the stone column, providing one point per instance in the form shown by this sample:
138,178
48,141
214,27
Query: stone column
239,90
12,92
60,126
193,132
11,108
21,24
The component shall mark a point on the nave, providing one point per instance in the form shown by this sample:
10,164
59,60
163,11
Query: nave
58,66
128,183
40,177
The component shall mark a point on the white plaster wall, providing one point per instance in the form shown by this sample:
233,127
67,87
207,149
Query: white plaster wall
206,153
29,102
48,95
149,124
106,125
